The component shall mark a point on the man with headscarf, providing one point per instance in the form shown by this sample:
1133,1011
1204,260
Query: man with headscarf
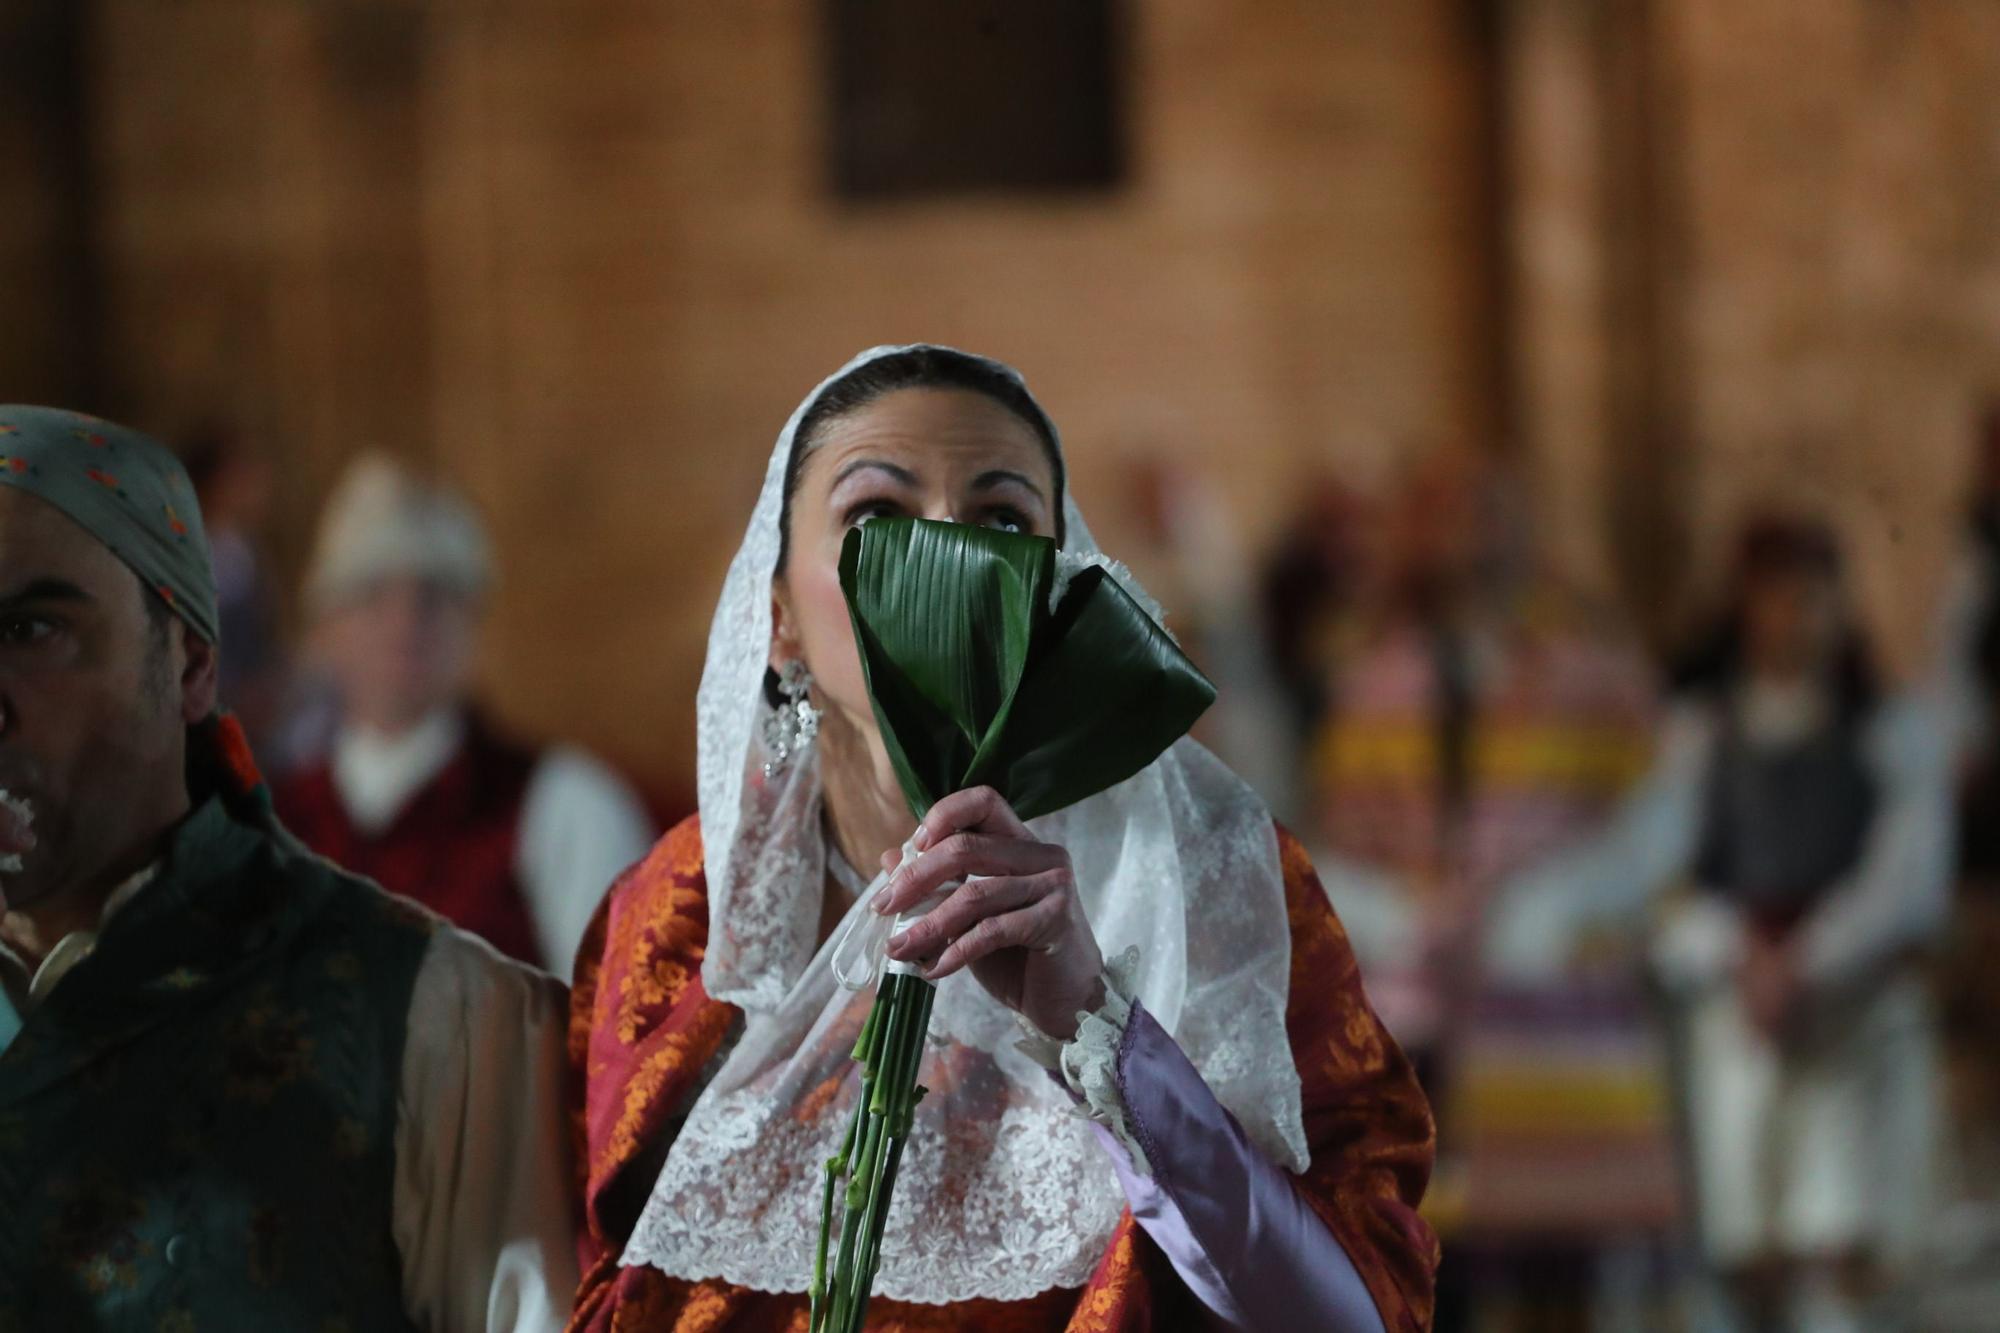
238,1088
418,789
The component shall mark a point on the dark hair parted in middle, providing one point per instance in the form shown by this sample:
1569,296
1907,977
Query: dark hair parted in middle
914,368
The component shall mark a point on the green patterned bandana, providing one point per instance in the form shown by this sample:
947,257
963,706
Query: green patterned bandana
124,489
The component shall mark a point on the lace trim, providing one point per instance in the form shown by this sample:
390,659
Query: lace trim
973,1215
1088,1062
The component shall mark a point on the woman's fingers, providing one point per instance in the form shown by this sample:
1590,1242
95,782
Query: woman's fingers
961,855
1023,897
1039,925
976,809
970,904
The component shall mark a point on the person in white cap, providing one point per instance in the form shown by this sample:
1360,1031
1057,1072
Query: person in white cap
418,790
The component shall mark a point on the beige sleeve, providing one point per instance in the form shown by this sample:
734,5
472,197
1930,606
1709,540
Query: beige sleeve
483,1213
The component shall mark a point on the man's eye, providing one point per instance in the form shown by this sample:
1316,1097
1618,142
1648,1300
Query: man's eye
21,631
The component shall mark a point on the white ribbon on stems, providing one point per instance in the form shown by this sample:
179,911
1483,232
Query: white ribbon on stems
860,950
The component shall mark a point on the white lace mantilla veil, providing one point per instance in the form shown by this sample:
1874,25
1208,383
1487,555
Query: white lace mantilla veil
1003,1192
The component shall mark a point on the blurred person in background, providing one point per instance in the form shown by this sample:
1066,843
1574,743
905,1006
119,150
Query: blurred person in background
1181,541
1810,812
239,1089
1485,719
233,482
1966,677
418,789
1308,588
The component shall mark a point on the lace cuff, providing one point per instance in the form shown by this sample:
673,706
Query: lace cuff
1088,1062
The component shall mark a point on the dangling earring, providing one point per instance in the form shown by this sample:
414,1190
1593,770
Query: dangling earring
793,721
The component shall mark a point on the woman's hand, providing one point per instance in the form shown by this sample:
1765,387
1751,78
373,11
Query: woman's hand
1020,926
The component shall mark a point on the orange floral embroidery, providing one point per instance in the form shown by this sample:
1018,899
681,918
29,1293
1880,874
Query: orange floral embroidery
642,1094
659,940
704,1309
1364,1037
1103,1301
642,1036
1368,1124
658,975
685,859
645,1306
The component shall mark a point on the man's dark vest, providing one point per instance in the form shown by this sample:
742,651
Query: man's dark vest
197,1124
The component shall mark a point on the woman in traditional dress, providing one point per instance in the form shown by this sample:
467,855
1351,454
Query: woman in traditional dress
1159,1098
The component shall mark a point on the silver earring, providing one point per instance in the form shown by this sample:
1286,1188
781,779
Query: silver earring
790,727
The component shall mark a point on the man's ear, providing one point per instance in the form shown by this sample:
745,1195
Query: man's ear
201,667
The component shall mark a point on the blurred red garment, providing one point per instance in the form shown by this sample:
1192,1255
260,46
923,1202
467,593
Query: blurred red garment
450,847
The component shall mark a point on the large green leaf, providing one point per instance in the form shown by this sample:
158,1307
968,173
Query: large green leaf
1106,695
975,680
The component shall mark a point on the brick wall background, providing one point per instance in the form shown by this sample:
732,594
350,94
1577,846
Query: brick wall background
1674,254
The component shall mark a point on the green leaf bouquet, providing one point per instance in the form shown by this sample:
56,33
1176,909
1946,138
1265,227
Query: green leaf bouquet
992,659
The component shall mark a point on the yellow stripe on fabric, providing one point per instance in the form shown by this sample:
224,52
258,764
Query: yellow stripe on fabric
1543,1103
1589,758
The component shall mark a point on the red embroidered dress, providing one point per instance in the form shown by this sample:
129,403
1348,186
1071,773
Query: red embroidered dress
643,1031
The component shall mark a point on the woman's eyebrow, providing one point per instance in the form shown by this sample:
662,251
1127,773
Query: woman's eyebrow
901,474
986,481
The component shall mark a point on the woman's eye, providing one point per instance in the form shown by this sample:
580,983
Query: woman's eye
20,631
868,509
1007,520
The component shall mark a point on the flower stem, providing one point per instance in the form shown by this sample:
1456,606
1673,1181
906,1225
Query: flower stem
890,1048
836,1167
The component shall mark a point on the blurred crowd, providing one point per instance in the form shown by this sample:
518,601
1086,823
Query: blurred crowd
1688,941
